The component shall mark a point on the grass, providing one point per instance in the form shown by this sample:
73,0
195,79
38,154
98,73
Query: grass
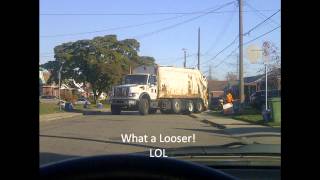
48,108
250,115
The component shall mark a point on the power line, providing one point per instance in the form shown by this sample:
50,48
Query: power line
118,28
248,43
110,29
258,12
261,35
145,14
230,44
223,60
223,30
244,33
256,26
180,23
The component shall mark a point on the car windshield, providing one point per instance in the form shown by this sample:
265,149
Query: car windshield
136,79
136,91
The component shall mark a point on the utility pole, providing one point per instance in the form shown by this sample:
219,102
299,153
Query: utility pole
185,57
199,48
60,85
210,73
241,93
237,66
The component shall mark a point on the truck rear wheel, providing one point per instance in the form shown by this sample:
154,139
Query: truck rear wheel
176,106
144,106
199,106
189,107
115,110
152,111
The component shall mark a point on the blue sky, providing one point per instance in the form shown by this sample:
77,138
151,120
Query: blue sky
217,29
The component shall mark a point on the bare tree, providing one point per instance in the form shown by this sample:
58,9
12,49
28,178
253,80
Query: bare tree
274,59
231,76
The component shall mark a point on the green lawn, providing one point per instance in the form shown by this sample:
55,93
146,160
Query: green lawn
48,108
250,115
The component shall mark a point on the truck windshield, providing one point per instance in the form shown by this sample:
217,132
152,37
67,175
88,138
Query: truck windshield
136,79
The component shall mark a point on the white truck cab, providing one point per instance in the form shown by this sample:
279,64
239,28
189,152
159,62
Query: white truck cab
142,84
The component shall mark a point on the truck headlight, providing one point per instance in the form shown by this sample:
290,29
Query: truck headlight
132,94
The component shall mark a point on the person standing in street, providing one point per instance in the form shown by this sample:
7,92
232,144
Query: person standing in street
229,97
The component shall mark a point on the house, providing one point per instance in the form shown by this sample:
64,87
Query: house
215,88
43,78
50,90
257,83
218,88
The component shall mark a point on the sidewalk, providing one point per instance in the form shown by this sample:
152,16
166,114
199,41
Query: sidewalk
55,116
244,131
222,121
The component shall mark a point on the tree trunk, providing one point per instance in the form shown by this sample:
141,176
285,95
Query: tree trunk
94,95
99,94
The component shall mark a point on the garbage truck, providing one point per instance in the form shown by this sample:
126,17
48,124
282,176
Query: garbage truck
165,88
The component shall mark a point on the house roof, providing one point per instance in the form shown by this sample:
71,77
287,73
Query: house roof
214,85
252,79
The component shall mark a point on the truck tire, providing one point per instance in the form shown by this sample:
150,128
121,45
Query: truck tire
176,106
144,106
115,110
189,107
152,111
198,106
164,111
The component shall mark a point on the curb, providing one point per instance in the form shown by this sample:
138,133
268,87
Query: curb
58,117
219,126
204,120
193,116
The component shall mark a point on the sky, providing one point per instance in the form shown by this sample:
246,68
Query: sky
162,30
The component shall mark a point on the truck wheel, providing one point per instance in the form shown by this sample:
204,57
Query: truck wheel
176,106
152,111
144,106
199,106
164,111
115,110
189,107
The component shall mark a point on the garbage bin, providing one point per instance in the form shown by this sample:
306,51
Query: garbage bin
68,106
276,109
100,106
266,115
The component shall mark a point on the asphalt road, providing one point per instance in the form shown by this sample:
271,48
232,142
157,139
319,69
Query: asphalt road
88,135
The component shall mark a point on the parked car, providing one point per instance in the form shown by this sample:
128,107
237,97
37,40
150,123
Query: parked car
216,103
82,101
257,99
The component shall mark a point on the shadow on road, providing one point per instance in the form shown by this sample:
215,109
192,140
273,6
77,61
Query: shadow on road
99,141
45,157
243,131
92,112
